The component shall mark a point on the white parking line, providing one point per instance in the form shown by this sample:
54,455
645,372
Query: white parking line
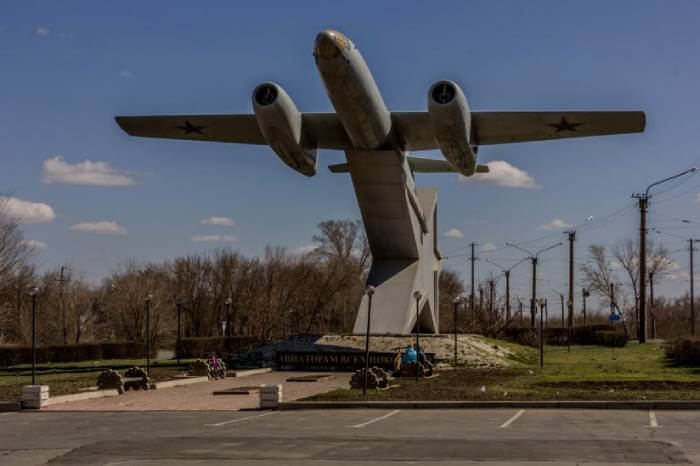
652,420
512,420
376,419
219,424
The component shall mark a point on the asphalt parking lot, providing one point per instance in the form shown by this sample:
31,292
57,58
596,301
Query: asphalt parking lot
352,437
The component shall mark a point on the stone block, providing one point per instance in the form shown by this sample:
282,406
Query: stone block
271,388
270,396
268,404
35,389
33,404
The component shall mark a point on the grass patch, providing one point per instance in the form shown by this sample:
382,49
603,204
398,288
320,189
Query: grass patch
586,373
67,378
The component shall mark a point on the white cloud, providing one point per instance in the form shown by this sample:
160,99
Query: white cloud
100,228
214,238
453,233
679,276
88,173
126,74
301,250
26,211
41,31
556,224
489,247
501,173
35,245
221,221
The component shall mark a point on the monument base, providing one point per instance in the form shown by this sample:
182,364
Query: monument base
400,222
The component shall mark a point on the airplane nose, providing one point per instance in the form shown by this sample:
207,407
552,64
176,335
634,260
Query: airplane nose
330,44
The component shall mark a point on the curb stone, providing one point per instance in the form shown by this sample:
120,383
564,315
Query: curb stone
632,404
80,396
7,406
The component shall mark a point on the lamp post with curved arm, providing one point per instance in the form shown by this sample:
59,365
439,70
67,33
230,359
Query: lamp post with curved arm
148,334
533,257
178,348
417,295
506,273
370,292
643,204
33,292
456,301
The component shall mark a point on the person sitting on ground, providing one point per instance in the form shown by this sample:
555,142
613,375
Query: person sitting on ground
409,355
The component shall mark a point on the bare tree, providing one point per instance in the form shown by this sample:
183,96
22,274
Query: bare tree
597,272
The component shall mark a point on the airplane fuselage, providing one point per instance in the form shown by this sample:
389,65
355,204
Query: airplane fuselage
352,90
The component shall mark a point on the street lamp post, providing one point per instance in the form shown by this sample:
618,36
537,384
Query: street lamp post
370,292
178,349
33,292
148,334
456,302
418,295
643,204
228,303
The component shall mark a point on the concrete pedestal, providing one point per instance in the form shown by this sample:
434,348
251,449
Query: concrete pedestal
270,396
34,396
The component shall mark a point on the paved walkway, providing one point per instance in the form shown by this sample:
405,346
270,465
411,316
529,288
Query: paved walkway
199,397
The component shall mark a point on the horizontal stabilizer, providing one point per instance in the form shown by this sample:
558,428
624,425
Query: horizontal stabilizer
418,165
339,168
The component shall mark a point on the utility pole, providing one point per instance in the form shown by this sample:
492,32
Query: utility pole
612,297
507,272
533,301
520,305
642,322
651,305
491,297
584,293
561,295
481,301
692,293
533,257
63,305
570,302
643,206
472,297
541,337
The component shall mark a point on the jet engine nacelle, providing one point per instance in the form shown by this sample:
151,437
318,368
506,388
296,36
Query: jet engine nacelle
451,118
281,124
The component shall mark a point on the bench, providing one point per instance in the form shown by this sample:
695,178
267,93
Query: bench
134,379
135,383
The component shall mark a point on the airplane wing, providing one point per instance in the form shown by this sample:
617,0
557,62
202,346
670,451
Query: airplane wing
218,128
321,130
416,132
413,129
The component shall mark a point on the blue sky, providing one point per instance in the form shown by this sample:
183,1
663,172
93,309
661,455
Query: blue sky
68,68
